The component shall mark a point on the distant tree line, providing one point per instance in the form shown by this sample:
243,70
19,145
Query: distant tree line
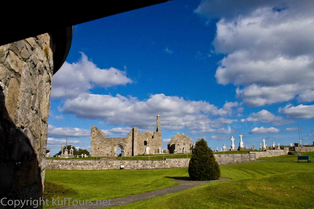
75,151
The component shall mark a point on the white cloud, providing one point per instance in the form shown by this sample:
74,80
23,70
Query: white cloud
263,130
58,117
292,129
307,96
231,9
220,122
169,51
166,140
63,132
229,105
219,137
51,142
119,130
265,116
299,112
268,47
69,132
76,78
226,131
176,113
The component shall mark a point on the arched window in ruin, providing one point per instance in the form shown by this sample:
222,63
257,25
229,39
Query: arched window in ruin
120,150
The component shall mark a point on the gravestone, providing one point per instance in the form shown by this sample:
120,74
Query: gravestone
224,148
232,144
241,144
264,144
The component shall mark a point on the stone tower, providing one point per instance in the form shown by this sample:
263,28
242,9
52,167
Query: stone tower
158,129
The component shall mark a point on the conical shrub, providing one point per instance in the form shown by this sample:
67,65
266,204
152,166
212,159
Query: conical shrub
203,165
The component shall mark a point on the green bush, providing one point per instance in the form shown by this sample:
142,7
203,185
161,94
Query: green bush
203,165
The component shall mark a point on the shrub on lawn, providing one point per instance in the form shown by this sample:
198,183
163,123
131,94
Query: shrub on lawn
203,165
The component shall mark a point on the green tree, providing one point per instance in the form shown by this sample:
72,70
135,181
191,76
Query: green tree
203,165
75,151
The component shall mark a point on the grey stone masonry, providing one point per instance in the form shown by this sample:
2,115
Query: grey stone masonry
304,149
103,164
26,70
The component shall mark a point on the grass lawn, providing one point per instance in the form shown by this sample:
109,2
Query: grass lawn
278,182
106,184
264,184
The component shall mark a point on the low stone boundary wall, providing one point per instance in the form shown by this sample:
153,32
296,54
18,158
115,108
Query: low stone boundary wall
226,159
104,164
115,164
304,149
271,153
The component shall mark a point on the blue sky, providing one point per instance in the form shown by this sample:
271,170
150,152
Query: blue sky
211,69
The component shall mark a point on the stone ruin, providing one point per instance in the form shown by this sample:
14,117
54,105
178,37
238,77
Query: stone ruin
133,144
180,144
136,143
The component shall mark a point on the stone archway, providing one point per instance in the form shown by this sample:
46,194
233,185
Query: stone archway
119,150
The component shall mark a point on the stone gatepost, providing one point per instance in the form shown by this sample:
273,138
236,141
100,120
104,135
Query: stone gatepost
26,70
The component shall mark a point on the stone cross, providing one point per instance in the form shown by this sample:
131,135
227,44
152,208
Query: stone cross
241,145
232,143
278,146
274,145
264,144
290,144
62,149
252,147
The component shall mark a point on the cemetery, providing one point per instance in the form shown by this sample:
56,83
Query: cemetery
157,161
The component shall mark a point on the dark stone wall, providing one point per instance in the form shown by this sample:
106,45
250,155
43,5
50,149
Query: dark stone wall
26,70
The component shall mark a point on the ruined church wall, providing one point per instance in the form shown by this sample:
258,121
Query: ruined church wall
153,142
156,142
106,147
126,143
180,144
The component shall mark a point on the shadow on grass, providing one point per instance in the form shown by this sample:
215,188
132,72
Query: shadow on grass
181,178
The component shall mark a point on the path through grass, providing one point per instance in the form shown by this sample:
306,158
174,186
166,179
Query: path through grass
107,184
278,182
263,184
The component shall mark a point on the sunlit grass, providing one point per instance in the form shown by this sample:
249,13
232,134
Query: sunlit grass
263,184
277,182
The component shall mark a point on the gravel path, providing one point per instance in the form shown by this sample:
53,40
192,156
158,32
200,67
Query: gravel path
185,183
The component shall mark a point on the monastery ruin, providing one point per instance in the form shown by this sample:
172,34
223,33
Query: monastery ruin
136,143
180,144
133,144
